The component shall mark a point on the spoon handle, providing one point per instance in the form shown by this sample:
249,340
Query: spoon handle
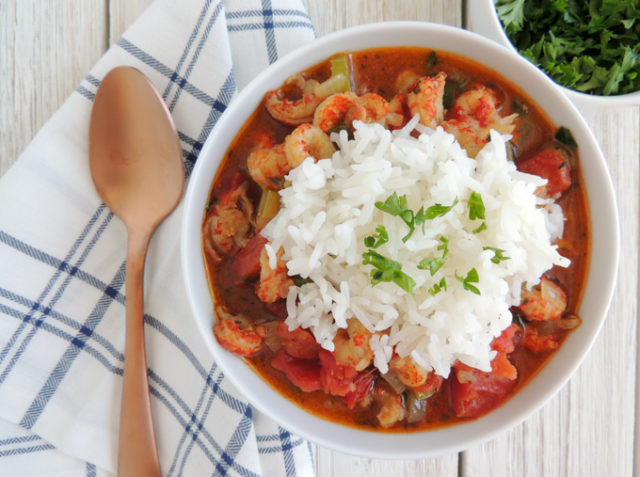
137,453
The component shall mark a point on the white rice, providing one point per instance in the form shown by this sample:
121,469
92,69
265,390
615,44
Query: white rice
328,210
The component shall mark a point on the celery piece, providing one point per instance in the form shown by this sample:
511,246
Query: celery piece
340,66
267,207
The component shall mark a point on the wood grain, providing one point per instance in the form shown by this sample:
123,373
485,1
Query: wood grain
122,13
331,15
47,49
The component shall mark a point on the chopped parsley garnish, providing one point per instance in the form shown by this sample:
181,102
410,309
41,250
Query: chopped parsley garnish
472,277
520,107
431,264
451,90
397,206
444,246
434,264
375,240
565,137
394,205
476,206
588,46
299,281
432,59
480,228
438,210
438,287
387,270
497,254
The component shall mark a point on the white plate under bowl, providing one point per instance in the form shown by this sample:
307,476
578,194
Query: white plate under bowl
602,270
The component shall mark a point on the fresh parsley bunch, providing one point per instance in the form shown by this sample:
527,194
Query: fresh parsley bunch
592,46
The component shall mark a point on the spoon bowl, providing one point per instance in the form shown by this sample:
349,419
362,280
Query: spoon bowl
137,167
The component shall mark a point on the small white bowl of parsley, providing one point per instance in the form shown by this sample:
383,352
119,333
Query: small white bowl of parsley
591,49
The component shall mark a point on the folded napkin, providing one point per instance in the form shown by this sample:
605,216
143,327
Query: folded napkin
62,270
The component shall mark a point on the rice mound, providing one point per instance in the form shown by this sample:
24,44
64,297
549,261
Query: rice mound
328,209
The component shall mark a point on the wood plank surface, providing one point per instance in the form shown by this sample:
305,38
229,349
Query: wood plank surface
122,13
47,48
588,429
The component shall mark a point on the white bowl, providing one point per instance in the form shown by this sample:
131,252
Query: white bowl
483,19
603,264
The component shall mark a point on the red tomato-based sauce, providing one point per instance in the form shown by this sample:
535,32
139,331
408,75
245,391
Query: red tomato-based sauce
314,378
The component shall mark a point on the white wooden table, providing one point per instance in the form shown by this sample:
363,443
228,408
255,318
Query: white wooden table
588,429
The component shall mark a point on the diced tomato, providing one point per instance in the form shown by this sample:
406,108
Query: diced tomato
432,384
305,374
500,365
475,393
336,378
504,342
363,383
550,164
299,343
246,263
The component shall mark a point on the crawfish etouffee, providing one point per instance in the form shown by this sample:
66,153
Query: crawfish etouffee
397,239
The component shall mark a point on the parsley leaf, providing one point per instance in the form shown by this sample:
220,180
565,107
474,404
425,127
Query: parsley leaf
434,264
512,14
431,264
444,246
299,281
438,287
472,277
480,228
394,205
438,210
432,59
476,206
497,254
375,240
387,270
565,137
397,206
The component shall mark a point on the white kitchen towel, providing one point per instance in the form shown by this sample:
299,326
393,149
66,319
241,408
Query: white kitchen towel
62,269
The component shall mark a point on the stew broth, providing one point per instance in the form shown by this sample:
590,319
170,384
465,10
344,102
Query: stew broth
375,71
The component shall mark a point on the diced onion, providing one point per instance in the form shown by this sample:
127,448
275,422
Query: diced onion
271,338
416,408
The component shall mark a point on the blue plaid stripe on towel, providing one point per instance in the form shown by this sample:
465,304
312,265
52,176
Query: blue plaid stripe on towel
62,270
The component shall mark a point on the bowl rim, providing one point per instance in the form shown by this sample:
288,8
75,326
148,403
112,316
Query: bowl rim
356,441
584,101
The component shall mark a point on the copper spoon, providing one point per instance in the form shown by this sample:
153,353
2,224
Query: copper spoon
137,167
